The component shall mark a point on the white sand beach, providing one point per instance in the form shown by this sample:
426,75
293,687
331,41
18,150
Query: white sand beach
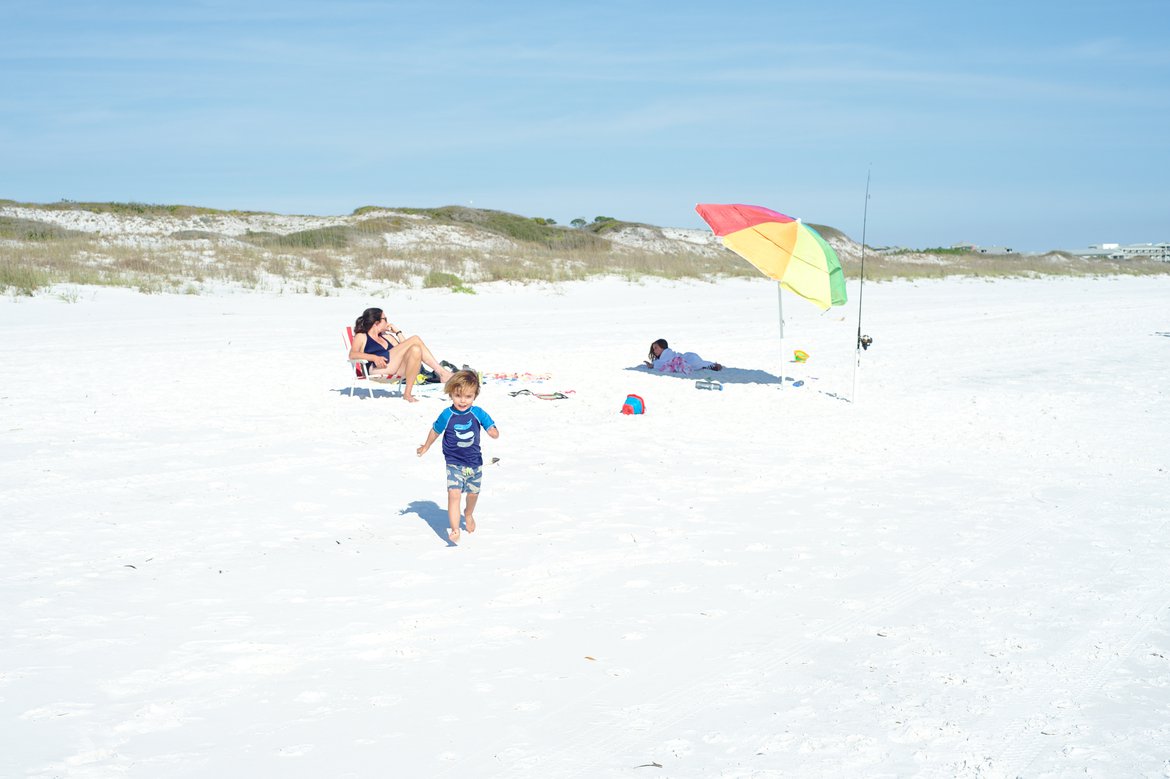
216,562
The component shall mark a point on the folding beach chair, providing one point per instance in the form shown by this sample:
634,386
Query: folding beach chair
359,371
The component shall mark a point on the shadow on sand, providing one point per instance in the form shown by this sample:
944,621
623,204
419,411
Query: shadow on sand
725,376
363,391
433,514
741,376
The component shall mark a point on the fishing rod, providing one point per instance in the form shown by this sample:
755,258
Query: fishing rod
863,341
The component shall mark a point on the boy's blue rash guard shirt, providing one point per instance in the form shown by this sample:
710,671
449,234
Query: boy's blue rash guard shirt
461,431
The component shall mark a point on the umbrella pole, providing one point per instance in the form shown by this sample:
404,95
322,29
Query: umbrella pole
780,308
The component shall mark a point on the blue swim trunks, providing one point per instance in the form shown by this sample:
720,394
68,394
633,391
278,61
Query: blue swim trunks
464,478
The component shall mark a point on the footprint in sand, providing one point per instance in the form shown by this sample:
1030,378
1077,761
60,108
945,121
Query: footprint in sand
311,696
383,701
295,750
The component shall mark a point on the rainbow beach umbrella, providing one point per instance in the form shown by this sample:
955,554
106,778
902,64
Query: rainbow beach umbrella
782,248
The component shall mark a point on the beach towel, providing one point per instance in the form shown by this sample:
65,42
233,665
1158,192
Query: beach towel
671,361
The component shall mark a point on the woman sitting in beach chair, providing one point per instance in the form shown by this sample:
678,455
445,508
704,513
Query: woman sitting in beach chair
667,360
381,345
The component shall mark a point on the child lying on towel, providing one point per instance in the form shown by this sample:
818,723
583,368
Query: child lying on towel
665,359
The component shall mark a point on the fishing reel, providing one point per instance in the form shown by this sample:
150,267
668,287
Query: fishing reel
864,341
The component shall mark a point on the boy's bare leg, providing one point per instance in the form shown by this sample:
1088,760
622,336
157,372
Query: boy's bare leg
453,514
469,520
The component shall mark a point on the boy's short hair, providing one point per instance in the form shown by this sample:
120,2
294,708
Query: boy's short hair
462,380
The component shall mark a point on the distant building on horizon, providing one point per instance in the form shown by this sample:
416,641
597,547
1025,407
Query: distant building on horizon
1159,252
1146,251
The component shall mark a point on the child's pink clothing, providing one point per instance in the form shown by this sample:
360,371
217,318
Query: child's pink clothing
671,361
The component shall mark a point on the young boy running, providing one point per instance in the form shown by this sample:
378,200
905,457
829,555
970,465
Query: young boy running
460,426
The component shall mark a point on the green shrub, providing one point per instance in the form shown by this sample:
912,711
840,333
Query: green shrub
194,235
437,278
538,231
605,224
32,230
260,237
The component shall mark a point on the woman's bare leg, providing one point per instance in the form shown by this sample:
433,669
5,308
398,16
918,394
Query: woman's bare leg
396,363
410,365
404,361
427,358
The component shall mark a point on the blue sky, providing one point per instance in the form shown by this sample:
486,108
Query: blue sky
1033,125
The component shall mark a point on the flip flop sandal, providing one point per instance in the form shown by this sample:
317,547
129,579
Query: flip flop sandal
552,396
520,392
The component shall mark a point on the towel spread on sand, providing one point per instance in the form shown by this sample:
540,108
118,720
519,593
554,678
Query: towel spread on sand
671,361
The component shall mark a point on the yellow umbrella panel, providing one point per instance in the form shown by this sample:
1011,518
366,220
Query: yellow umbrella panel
794,255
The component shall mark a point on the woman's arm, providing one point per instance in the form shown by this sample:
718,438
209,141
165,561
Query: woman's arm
358,351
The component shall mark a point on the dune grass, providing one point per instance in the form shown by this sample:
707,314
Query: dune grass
889,267
22,279
522,229
324,262
127,209
37,254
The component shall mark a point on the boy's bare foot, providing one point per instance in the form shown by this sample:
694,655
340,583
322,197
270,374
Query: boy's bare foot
410,398
470,522
453,535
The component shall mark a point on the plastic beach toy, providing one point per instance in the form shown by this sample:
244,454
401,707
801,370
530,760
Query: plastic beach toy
800,355
634,405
